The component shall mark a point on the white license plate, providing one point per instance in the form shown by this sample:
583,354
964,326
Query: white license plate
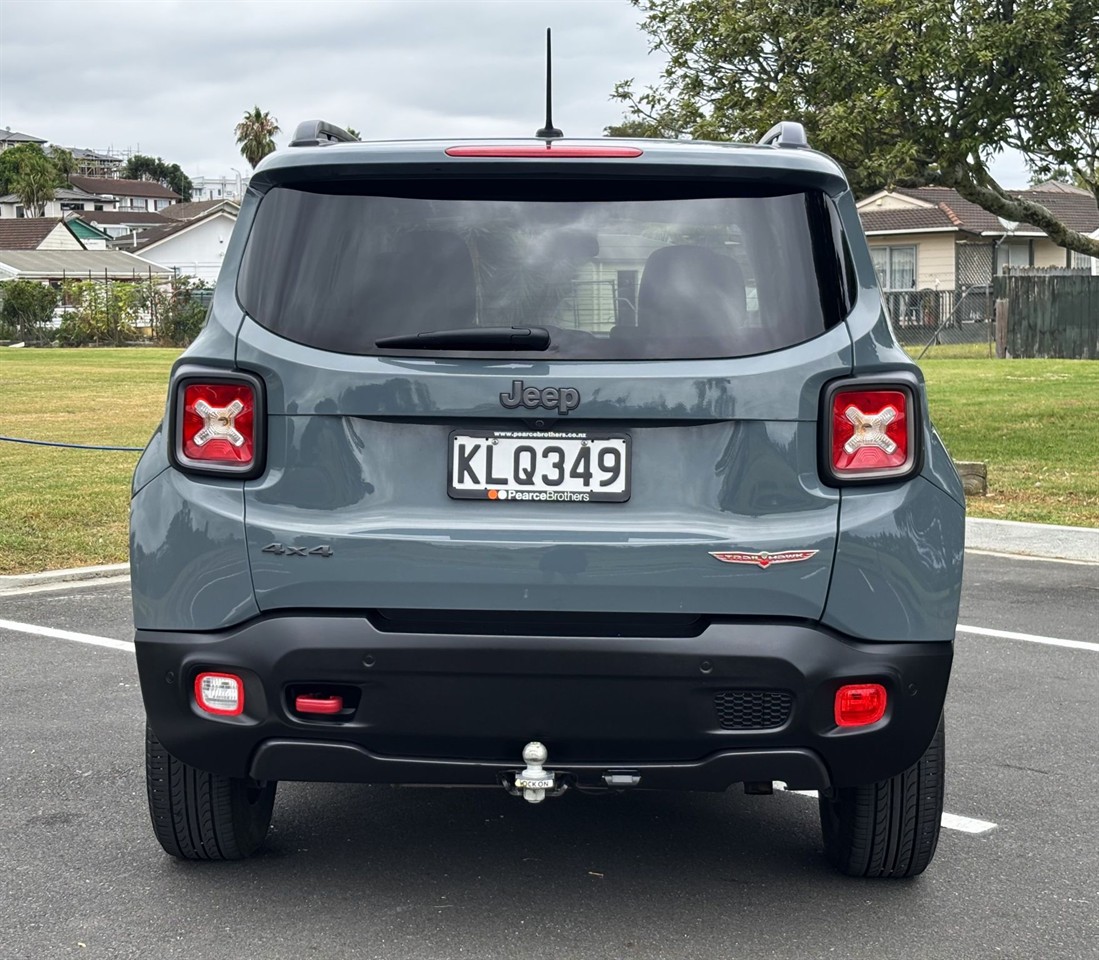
565,467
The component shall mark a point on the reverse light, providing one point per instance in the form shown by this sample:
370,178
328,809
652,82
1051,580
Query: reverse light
221,694
871,432
860,704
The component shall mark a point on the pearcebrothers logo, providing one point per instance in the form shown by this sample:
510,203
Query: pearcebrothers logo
763,559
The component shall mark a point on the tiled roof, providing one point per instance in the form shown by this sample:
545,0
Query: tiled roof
136,241
61,193
124,217
1075,208
117,187
905,218
197,208
26,233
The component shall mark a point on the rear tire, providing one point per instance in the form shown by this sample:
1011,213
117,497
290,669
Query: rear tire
203,816
889,828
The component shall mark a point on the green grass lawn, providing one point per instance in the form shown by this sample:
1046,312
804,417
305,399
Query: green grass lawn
69,508
1034,422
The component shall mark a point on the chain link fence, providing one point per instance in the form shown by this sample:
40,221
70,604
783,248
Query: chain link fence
958,322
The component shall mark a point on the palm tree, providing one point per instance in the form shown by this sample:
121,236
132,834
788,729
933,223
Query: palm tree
256,135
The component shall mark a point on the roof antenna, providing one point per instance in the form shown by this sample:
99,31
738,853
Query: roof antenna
549,131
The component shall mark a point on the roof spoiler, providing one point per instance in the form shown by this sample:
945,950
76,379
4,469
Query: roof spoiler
317,133
785,133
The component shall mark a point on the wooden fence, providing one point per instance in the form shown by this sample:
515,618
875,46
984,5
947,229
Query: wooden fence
1047,313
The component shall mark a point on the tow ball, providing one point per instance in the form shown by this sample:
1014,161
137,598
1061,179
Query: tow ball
535,783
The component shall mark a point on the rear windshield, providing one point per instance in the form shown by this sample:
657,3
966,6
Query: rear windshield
660,271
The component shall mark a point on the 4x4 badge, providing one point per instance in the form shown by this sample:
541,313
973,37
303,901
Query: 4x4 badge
763,559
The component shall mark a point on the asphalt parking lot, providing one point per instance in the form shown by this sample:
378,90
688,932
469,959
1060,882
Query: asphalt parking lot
373,872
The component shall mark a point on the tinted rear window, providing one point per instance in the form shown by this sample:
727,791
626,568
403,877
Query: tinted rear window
669,272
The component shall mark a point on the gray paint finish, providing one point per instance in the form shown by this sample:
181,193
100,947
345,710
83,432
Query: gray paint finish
188,562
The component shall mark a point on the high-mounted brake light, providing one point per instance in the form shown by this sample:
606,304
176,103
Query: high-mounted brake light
860,704
221,694
546,151
871,433
217,422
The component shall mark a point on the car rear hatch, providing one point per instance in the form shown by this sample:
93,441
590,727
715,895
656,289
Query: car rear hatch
622,421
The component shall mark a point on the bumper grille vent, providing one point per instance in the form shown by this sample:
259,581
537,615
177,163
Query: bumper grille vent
752,709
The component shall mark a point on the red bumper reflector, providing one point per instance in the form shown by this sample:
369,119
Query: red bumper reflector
221,694
318,705
545,151
860,704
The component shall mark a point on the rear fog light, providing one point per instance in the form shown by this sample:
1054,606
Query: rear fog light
860,704
221,694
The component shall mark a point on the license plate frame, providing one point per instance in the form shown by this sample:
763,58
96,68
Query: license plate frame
569,441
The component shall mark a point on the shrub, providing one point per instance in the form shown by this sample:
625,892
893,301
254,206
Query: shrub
100,313
27,309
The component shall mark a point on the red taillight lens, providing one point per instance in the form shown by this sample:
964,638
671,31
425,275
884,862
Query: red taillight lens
860,704
872,433
221,694
218,424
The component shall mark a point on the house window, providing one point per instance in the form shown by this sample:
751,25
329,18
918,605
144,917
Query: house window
1012,255
895,266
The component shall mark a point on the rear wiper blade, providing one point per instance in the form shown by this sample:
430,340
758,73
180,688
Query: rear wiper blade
471,338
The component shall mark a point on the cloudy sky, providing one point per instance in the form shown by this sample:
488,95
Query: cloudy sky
171,78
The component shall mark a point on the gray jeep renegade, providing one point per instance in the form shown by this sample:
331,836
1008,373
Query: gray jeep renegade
547,464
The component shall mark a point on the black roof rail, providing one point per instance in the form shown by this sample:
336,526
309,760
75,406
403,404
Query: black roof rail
316,133
785,133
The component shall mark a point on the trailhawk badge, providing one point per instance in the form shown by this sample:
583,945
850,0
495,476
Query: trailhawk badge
763,559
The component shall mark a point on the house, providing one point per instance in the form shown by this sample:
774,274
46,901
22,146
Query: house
193,248
197,208
64,200
92,237
932,238
145,195
117,223
57,266
12,138
92,163
218,188
38,233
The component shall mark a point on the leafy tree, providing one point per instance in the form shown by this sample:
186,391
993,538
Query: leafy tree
140,167
902,92
63,160
101,313
256,135
178,310
355,133
27,309
31,175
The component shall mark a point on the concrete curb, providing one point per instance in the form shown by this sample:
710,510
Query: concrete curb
1033,539
15,581
1045,540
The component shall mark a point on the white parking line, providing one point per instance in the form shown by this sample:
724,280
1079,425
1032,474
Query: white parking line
951,821
1030,638
67,635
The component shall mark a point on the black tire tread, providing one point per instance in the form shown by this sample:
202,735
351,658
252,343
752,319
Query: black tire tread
202,816
889,828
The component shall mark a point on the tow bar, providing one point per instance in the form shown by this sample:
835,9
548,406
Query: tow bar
535,783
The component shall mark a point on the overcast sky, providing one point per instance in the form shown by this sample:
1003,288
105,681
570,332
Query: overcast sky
171,78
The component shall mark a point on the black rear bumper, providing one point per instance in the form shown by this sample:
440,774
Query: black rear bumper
735,702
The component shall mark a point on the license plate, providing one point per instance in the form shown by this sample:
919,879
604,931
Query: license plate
567,467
